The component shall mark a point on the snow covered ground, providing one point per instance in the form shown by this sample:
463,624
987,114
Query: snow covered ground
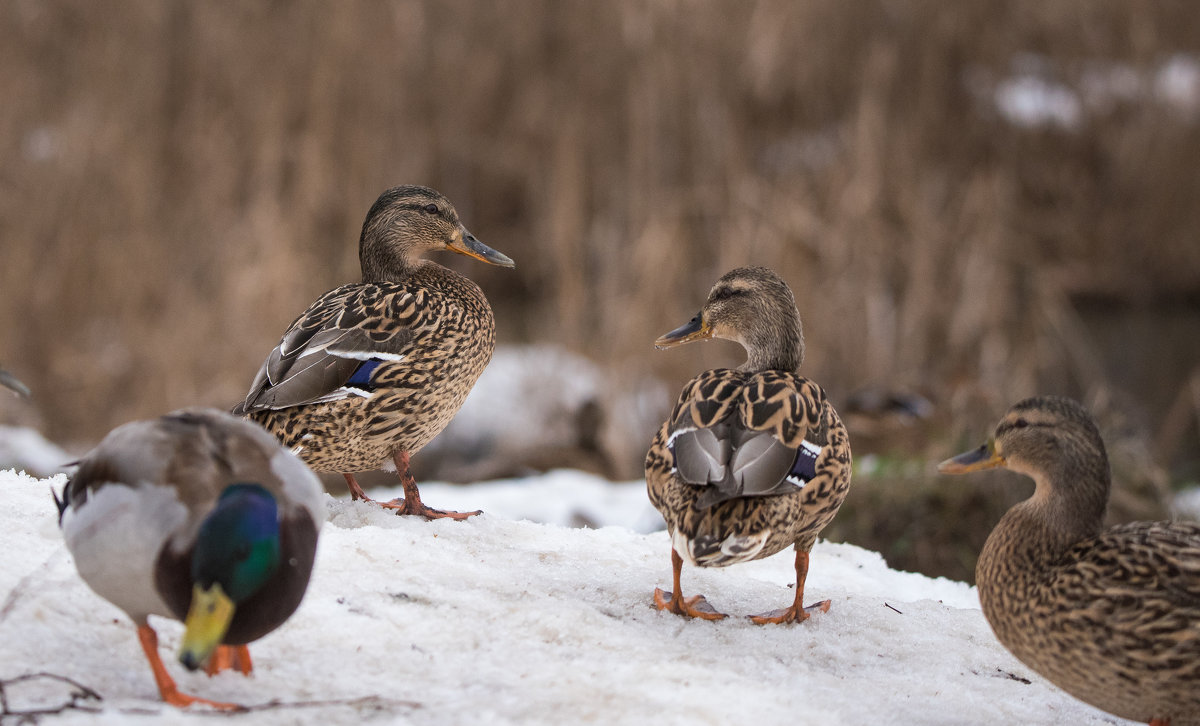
499,621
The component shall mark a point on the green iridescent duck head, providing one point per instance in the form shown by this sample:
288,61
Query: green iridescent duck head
237,551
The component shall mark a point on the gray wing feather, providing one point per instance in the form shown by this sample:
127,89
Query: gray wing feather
701,454
760,464
307,368
315,378
732,462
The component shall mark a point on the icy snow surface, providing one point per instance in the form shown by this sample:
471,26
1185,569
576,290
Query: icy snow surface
498,621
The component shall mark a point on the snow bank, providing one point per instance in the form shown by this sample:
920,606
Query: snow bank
495,621
564,497
25,449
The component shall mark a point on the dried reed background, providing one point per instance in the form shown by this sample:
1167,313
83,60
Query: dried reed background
178,180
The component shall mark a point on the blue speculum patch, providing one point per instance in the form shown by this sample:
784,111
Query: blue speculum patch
362,375
805,467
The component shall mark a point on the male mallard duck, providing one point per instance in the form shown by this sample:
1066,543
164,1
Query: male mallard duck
752,459
375,369
1110,616
198,516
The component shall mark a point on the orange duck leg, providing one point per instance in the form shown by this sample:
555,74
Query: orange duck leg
166,685
796,612
695,606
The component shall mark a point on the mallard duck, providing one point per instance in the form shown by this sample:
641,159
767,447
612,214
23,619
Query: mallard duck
375,369
752,459
197,516
1111,616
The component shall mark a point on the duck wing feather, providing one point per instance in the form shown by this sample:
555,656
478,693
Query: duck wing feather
347,328
747,435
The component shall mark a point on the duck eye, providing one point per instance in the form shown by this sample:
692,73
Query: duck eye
1020,423
431,208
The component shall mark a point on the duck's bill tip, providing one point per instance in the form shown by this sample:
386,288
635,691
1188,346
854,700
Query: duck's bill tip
984,457
466,244
694,329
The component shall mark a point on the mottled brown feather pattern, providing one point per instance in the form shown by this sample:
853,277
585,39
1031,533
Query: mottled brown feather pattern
792,408
372,371
449,336
755,307
1110,616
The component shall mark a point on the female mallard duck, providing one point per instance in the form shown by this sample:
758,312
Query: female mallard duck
754,459
198,516
373,370
1110,616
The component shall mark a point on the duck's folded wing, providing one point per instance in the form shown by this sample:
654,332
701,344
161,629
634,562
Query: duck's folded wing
1134,563
733,462
746,436
324,349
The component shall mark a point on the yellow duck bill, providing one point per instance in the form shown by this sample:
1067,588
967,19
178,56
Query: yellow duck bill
207,621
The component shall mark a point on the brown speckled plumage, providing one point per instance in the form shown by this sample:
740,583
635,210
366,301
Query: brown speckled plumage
428,330
1110,616
761,513
447,334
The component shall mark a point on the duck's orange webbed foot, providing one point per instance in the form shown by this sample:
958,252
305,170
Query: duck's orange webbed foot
166,685
695,606
411,503
791,614
404,506
225,657
796,612
174,697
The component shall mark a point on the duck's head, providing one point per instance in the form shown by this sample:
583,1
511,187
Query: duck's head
1052,440
754,307
237,551
408,221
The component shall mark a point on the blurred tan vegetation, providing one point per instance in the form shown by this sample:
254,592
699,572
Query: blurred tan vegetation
178,180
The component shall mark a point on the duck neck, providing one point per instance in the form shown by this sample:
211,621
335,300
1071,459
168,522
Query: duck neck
1042,528
385,253
1072,494
391,272
775,347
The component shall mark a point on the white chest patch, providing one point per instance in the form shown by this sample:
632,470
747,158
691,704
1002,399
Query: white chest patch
115,538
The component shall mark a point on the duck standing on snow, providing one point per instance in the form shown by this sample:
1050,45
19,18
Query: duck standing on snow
752,459
373,370
198,516
1110,616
